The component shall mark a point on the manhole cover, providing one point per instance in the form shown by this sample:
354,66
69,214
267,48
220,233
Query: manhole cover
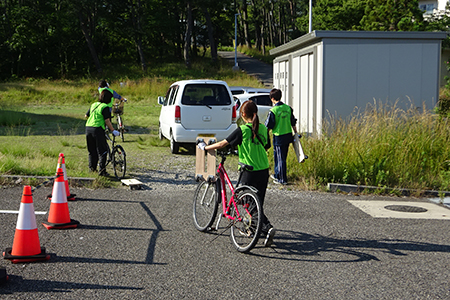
406,208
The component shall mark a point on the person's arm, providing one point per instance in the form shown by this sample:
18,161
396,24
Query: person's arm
117,96
234,139
109,124
217,145
270,121
293,121
107,117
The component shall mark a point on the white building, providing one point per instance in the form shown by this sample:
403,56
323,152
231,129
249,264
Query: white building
433,6
331,72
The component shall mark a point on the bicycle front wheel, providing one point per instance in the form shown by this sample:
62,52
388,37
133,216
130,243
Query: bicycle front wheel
247,224
119,161
120,127
206,201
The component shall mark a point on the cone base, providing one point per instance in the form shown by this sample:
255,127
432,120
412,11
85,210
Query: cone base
30,258
70,225
71,197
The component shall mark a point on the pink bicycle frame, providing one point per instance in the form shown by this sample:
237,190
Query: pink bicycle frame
224,177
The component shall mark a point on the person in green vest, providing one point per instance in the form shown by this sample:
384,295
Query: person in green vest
251,140
281,121
104,85
98,117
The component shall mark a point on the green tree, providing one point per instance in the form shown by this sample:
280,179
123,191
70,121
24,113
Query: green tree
393,15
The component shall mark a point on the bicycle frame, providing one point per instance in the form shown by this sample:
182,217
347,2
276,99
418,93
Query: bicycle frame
223,176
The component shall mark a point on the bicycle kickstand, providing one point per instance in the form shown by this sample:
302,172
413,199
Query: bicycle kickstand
217,224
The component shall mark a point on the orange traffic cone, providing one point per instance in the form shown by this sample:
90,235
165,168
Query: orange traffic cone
26,247
58,215
62,164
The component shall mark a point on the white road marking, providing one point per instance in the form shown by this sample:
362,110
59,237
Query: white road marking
16,212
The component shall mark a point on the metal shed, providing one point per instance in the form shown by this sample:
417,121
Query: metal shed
333,72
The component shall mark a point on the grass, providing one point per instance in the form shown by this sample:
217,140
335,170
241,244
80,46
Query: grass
381,146
41,118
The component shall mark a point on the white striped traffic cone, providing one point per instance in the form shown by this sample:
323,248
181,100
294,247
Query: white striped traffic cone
26,246
58,215
62,165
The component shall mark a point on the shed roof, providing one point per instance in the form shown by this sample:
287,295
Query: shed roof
318,35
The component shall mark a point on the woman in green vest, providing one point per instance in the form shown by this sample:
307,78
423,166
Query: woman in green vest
251,140
98,117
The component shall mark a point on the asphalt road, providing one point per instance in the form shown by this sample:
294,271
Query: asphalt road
253,67
142,245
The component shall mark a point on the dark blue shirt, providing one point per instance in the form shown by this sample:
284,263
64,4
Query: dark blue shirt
270,124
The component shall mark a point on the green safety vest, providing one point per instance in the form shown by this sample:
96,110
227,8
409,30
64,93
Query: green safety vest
100,90
95,115
252,152
282,115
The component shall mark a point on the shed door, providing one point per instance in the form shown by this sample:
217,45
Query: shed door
303,92
276,74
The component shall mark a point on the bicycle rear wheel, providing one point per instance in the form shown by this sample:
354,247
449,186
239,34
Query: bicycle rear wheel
246,227
206,201
119,161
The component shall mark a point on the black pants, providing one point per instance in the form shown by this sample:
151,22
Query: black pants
259,180
97,147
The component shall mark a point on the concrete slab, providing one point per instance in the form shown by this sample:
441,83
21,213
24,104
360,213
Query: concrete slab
377,209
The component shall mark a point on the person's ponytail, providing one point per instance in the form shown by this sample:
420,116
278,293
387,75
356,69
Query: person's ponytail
249,108
255,124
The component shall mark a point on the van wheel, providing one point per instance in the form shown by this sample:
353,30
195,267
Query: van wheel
174,146
160,134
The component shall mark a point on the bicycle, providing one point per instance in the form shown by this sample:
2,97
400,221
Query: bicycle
116,156
118,112
243,209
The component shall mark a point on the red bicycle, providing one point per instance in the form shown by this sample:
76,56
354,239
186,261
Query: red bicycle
243,209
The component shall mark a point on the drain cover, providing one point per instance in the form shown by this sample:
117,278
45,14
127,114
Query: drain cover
406,208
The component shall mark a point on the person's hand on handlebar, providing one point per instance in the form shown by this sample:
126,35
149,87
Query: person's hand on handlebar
201,145
116,133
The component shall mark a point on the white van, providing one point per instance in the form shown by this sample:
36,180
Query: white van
192,108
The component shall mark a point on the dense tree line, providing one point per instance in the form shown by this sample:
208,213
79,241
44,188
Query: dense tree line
60,38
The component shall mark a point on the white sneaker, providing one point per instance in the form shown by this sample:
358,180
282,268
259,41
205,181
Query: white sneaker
276,181
269,237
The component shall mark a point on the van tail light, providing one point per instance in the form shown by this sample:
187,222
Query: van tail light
177,114
233,115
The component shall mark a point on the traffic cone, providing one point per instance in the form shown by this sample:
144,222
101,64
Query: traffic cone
62,164
26,247
58,215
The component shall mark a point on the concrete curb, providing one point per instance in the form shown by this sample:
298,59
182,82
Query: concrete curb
70,179
352,188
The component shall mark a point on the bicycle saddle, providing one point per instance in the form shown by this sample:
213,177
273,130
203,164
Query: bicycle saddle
245,167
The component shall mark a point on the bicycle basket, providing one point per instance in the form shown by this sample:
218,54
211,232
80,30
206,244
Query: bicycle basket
118,107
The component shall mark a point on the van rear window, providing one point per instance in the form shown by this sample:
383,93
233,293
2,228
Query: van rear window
205,94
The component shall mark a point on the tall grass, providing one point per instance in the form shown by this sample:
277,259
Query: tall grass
382,146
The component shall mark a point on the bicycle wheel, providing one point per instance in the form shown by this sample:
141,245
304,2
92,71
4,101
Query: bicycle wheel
206,201
120,127
246,227
119,161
